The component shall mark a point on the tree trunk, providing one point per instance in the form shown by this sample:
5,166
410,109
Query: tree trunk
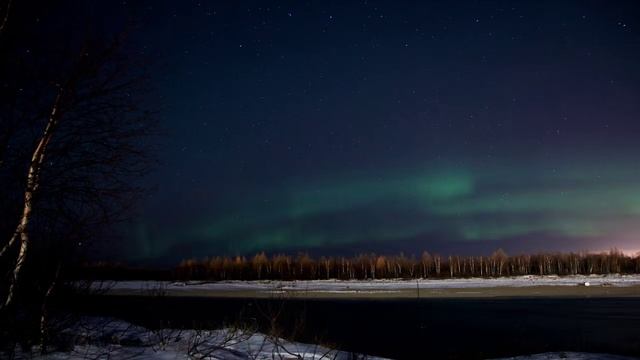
33,182
44,314
5,18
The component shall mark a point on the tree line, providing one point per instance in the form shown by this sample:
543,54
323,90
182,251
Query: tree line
372,266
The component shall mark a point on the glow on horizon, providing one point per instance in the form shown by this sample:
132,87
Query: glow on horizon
470,205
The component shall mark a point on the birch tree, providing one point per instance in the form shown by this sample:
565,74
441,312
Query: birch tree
80,173
4,15
33,183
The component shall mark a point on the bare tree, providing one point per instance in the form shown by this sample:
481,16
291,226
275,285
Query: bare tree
4,13
427,262
498,259
82,170
259,263
371,266
438,263
33,183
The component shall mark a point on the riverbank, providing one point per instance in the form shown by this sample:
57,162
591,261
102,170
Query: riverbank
523,286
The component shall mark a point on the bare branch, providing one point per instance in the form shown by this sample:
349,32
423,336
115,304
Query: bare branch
5,19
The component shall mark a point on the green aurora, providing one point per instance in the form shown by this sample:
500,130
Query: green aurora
569,200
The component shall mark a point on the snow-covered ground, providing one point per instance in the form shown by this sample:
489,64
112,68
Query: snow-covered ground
568,356
376,286
107,338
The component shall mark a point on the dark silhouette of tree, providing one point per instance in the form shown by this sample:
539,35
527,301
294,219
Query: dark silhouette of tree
4,15
75,141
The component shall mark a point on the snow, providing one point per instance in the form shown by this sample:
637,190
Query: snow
108,338
97,337
568,356
377,286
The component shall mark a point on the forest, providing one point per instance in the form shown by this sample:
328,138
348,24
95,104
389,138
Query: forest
371,266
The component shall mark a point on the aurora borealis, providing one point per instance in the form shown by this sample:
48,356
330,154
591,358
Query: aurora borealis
579,207
392,127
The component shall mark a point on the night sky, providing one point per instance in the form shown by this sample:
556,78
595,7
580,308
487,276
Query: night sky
387,127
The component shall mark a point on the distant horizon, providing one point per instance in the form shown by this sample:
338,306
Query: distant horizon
302,266
171,262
